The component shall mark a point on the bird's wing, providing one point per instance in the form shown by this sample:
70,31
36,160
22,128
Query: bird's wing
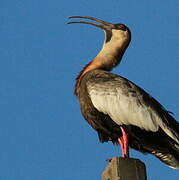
128,104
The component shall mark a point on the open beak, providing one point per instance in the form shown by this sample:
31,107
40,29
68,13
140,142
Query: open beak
103,24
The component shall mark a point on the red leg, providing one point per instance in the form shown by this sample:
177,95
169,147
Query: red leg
121,142
124,143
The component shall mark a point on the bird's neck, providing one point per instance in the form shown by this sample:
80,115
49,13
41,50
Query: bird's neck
109,57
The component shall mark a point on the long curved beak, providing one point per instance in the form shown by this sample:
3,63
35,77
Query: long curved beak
103,24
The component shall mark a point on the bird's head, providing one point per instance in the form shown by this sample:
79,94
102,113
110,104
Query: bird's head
116,35
117,39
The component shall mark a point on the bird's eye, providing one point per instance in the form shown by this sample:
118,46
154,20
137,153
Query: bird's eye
121,27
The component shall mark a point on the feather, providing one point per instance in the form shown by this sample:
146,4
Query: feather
127,104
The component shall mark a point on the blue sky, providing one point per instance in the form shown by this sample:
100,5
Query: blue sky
42,133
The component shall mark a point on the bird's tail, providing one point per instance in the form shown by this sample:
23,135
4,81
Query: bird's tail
170,157
164,147
171,127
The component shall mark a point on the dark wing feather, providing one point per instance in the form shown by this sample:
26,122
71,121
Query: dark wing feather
128,104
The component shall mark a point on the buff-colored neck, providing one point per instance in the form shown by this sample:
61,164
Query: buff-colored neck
109,57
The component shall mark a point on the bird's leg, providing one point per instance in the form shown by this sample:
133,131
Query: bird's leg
124,143
120,141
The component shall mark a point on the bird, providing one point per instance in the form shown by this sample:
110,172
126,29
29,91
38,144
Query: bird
118,109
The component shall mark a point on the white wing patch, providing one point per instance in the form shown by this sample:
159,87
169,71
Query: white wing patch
121,108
